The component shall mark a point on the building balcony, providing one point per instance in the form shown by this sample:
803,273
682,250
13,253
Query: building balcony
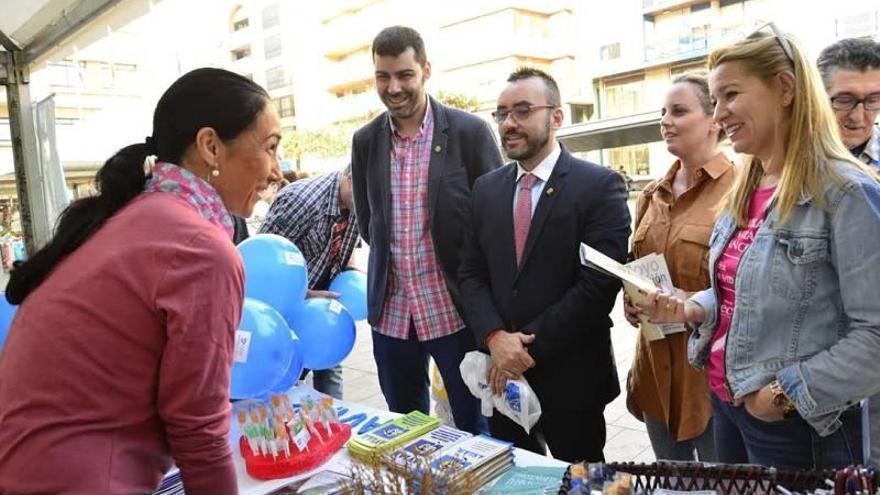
349,71
693,44
356,107
240,38
650,8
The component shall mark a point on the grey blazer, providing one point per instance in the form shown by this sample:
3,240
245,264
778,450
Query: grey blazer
462,149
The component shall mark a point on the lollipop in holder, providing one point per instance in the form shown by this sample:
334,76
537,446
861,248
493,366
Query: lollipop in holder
279,440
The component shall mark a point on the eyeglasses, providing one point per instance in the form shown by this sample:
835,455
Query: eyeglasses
520,112
846,102
780,38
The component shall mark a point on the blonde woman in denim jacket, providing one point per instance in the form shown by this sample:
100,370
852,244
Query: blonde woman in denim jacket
789,331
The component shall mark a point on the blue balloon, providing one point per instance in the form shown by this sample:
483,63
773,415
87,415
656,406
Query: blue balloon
263,350
274,271
326,331
352,287
7,313
294,371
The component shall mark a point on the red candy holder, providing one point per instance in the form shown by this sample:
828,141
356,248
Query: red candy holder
265,467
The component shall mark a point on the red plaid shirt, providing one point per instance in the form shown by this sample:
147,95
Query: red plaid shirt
416,287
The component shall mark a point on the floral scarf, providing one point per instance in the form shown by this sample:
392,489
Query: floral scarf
179,181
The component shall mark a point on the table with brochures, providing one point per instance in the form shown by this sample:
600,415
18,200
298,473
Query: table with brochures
362,419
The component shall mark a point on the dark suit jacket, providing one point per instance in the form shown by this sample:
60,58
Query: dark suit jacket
463,148
551,295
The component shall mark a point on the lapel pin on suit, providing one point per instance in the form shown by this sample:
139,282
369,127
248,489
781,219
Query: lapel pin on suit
437,149
549,191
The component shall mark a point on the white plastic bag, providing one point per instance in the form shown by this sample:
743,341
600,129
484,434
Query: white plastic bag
519,402
439,397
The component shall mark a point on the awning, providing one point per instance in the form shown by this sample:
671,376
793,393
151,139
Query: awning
30,31
612,133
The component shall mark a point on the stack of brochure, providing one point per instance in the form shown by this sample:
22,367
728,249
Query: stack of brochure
474,461
417,453
391,435
647,274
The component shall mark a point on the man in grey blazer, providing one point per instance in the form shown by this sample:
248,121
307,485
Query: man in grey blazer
412,171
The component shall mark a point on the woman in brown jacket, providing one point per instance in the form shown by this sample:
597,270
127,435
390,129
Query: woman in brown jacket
674,217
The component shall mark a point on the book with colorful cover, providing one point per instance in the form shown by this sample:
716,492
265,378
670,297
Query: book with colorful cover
528,480
654,268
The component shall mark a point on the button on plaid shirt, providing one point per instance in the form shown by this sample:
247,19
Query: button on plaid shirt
306,212
416,286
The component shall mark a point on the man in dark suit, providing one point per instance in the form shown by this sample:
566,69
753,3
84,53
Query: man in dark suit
528,300
412,170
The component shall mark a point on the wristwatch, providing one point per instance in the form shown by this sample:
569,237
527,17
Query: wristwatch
781,401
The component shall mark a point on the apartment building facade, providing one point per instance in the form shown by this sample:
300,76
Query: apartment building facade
653,41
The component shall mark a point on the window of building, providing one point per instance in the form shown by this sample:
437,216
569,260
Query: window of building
581,112
239,19
271,16
679,32
610,51
624,97
634,160
241,52
240,24
125,76
285,106
64,74
275,77
272,46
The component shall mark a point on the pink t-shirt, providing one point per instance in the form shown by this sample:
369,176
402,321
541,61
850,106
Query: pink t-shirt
725,275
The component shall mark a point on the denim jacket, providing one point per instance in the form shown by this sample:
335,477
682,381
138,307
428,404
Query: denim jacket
806,314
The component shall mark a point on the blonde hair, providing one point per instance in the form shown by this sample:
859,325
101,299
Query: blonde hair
813,139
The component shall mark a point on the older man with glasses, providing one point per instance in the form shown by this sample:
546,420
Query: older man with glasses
850,70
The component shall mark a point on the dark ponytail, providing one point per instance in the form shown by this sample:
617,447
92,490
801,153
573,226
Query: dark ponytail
215,98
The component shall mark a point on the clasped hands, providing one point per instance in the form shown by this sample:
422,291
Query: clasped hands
510,358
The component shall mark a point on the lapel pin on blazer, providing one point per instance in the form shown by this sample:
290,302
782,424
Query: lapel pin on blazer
549,191
437,149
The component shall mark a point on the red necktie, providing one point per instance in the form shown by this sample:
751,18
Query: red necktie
522,214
